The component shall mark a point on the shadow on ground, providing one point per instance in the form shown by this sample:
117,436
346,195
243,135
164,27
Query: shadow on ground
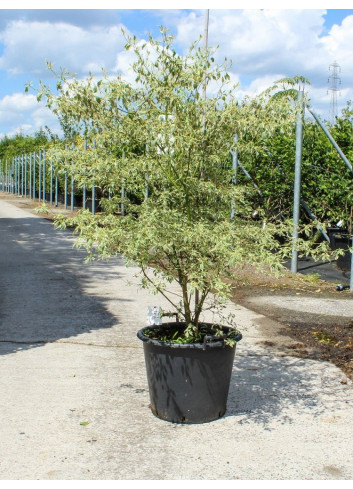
264,388
42,281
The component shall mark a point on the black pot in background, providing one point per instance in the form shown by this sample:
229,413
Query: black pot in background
340,239
188,383
89,205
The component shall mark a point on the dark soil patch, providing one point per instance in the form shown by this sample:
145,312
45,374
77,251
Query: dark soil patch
328,338
331,342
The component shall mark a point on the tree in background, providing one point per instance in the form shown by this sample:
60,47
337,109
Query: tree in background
21,144
327,184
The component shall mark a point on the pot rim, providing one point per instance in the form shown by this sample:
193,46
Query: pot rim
198,346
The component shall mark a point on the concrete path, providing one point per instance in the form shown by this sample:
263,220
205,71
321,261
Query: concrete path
73,390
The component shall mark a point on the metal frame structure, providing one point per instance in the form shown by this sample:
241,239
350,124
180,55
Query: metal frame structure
27,175
30,176
297,182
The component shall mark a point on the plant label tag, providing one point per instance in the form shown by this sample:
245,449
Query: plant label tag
154,316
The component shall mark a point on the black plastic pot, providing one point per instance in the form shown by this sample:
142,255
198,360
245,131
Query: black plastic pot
188,383
89,205
341,239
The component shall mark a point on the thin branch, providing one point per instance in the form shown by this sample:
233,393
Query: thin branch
160,290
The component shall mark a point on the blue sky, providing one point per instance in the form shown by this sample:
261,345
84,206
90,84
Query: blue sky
264,44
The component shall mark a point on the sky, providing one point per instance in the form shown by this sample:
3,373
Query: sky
264,44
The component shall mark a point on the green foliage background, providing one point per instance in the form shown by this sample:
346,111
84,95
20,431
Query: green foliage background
21,144
326,183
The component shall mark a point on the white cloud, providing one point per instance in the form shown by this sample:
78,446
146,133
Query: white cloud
260,84
258,41
338,44
71,15
21,129
22,113
17,103
265,43
28,45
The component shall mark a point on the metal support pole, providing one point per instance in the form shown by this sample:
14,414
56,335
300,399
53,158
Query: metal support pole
93,199
314,218
247,175
30,176
297,180
14,175
84,197
94,189
332,141
20,165
22,175
56,191
18,176
40,177
65,196
26,169
72,193
44,175
234,179
51,183
34,175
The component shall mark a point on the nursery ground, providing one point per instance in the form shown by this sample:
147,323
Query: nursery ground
317,334
306,308
74,399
